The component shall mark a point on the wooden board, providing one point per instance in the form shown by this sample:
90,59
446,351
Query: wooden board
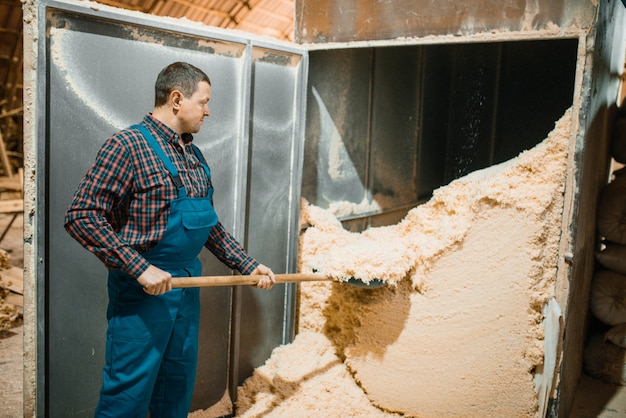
15,299
13,279
11,183
11,206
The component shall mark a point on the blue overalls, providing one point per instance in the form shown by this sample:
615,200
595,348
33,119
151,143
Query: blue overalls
152,341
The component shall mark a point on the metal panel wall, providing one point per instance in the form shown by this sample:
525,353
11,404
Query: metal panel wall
338,120
323,21
98,70
273,122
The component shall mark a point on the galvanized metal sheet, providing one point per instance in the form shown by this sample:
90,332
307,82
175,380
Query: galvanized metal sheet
338,119
324,21
277,87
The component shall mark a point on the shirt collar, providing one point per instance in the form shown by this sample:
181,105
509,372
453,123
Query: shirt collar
165,132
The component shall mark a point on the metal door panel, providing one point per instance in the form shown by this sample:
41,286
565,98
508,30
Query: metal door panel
338,120
275,124
325,21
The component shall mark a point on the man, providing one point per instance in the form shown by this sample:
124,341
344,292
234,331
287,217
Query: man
145,208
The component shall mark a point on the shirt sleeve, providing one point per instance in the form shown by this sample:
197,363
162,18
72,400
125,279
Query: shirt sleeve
105,186
228,250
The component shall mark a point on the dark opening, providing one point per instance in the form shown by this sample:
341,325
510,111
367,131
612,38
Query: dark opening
388,125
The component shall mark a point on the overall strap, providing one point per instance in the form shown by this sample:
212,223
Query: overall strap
168,163
201,158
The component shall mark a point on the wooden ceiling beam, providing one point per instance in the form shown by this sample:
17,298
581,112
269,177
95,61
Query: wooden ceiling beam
274,15
121,5
238,15
205,9
264,29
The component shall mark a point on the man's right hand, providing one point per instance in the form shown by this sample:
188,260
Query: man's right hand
155,281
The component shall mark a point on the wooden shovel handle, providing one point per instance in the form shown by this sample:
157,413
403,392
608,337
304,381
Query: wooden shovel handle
206,281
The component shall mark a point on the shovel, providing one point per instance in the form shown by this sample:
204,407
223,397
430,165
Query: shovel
237,280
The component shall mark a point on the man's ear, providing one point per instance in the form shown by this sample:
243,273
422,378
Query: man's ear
176,97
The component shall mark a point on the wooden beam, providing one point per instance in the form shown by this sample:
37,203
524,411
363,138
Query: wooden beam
11,183
15,299
13,112
13,279
121,5
205,9
11,206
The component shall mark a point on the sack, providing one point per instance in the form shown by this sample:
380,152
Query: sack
618,141
608,297
611,218
617,335
613,257
604,360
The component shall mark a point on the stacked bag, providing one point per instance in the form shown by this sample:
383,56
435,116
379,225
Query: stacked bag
605,353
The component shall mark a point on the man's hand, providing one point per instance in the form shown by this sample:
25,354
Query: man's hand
155,281
266,282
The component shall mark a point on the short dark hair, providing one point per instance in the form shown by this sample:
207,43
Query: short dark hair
177,76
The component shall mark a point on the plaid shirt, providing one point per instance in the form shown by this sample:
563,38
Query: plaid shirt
121,207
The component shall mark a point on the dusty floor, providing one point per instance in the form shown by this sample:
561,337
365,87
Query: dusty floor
11,341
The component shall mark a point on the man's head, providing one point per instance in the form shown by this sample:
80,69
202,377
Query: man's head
182,94
177,76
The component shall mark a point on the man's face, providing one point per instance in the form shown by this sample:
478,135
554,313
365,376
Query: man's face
194,109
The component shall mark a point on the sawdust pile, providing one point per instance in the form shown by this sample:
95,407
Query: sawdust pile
457,332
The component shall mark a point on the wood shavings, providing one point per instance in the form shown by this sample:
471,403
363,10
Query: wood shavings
526,183
278,385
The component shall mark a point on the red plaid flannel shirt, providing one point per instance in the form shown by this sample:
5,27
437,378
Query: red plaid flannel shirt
121,206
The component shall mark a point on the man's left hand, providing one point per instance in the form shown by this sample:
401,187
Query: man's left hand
266,282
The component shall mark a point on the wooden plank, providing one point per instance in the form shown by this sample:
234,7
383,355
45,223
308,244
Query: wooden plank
13,279
11,183
4,158
15,299
13,272
12,206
